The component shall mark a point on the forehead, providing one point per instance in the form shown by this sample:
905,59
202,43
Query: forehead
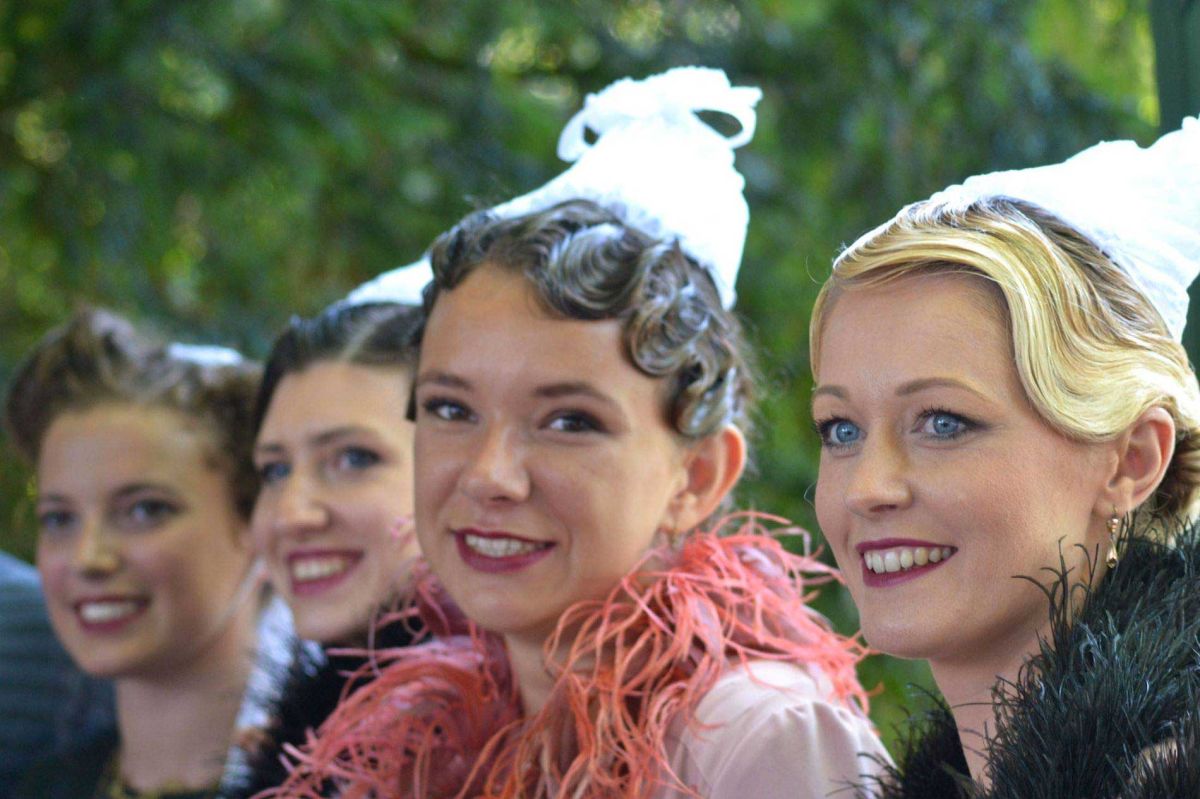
940,324
113,444
493,322
335,393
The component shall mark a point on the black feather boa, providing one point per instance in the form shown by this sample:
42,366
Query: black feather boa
311,688
1108,707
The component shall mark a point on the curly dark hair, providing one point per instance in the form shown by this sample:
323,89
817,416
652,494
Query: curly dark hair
372,334
98,357
585,263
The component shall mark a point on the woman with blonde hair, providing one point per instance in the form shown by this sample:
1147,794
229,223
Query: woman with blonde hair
1010,470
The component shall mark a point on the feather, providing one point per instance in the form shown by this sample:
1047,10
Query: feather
1107,705
444,719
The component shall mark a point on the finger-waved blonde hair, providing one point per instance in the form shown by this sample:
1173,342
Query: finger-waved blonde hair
1091,352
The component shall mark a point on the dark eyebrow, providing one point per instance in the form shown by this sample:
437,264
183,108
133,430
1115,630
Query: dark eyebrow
137,488
319,440
556,390
441,379
121,493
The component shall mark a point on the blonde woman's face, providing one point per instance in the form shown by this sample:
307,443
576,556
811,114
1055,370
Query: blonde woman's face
141,550
940,487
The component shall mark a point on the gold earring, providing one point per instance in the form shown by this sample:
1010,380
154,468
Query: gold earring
1114,527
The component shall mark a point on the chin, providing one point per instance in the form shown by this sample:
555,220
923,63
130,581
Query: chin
909,640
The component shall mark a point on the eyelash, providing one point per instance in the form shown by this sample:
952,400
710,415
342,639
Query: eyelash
967,423
433,405
824,427
590,424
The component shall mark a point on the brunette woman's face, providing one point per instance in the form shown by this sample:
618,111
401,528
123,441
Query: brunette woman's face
545,466
333,516
939,483
141,549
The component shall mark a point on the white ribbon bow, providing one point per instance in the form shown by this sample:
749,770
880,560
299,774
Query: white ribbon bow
654,163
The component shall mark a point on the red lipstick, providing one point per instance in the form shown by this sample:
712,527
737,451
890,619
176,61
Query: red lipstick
497,552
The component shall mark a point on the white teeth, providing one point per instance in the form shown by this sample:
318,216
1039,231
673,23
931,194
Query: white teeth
500,547
101,612
889,561
318,567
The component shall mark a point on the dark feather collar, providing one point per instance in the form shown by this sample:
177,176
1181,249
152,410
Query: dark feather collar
1107,707
311,688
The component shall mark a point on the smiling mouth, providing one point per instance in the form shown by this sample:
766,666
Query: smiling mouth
315,570
491,546
903,559
497,552
96,614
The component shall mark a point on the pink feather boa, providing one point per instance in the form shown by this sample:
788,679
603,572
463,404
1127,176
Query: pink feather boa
443,719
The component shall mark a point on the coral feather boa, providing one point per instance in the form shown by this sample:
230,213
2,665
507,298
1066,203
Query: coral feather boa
443,719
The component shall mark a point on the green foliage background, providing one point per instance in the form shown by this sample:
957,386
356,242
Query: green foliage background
216,167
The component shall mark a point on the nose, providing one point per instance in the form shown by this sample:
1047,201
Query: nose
880,478
96,554
299,507
497,471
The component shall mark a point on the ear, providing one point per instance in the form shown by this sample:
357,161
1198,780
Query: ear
1143,453
713,466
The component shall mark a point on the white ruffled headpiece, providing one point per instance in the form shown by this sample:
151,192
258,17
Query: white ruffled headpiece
1141,207
402,285
656,165
205,354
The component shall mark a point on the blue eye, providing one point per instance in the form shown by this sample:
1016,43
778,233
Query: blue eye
944,424
55,521
273,471
446,410
355,458
838,433
150,512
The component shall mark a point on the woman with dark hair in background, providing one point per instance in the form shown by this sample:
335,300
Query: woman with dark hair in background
144,491
581,398
333,518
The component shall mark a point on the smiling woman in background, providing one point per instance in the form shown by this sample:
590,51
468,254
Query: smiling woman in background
1008,417
144,490
333,518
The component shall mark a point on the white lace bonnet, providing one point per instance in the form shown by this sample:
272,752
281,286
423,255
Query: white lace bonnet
653,162
1140,206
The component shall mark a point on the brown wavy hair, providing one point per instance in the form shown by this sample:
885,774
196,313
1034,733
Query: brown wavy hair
99,357
584,262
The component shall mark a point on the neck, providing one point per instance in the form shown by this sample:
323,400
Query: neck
534,682
967,685
176,726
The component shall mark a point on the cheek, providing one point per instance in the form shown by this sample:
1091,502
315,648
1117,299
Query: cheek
54,567
262,537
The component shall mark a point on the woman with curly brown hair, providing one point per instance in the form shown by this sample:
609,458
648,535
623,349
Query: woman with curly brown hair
144,490
581,399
